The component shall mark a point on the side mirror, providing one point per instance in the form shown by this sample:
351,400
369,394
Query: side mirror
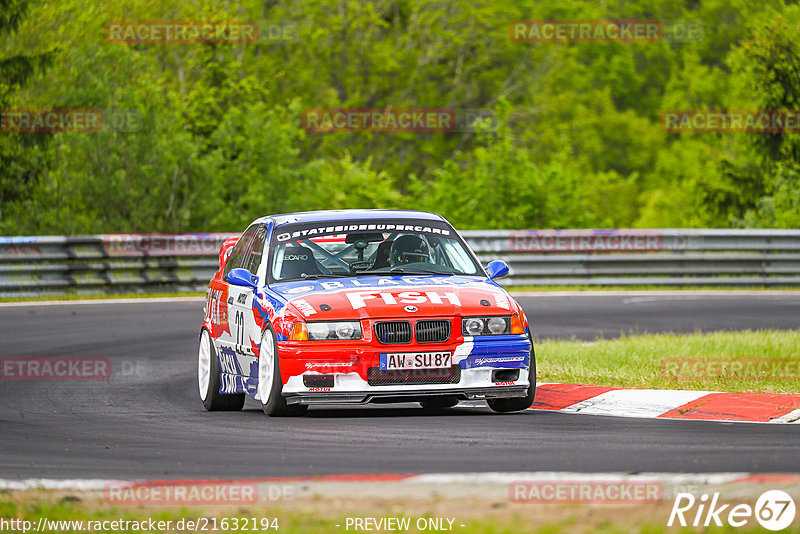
497,269
242,277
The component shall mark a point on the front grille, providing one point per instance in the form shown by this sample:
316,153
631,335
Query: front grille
393,332
378,377
432,331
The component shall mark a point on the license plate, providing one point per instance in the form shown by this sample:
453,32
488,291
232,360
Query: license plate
416,360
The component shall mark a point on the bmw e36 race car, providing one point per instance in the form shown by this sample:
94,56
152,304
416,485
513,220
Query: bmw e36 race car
357,307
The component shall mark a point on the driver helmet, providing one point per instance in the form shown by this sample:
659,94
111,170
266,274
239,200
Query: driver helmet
409,249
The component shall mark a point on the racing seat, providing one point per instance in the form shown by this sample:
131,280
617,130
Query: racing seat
382,255
299,261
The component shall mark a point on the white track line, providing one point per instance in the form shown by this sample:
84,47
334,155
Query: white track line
635,402
471,479
80,484
143,300
656,293
550,476
791,417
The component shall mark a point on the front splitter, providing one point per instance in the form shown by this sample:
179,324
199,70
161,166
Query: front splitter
367,397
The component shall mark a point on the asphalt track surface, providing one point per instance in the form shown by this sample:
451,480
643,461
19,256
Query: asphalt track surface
146,421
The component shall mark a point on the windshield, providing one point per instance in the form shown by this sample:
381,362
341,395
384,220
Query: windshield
364,248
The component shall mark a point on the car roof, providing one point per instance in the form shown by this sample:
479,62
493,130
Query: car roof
346,215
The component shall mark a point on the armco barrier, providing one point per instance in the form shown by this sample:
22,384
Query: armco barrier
107,263
155,262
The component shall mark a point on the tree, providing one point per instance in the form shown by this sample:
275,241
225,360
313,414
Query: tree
773,63
21,164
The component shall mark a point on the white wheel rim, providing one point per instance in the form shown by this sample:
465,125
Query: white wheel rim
266,367
204,364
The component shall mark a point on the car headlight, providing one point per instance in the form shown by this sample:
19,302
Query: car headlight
474,326
491,326
498,325
323,331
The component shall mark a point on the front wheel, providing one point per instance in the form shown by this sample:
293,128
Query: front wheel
269,379
208,371
518,403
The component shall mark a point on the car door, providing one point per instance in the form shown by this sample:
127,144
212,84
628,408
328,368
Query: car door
245,331
222,312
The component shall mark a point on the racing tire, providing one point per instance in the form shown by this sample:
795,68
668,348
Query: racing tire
438,403
208,370
270,384
517,404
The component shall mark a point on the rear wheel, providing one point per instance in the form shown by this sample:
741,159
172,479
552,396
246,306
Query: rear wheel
438,403
518,403
208,379
270,384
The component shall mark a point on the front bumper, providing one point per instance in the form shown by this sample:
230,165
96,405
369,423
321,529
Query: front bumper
487,368
403,395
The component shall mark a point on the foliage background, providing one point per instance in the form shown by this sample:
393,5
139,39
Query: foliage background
577,143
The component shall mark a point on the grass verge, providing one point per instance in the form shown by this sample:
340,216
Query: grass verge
323,515
762,361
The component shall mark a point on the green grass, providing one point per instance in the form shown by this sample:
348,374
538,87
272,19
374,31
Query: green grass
31,506
666,361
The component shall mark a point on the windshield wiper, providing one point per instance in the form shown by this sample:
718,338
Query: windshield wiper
322,275
402,270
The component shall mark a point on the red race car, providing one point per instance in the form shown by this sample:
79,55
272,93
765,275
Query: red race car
357,307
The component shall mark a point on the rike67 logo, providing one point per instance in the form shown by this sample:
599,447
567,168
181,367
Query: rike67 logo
774,510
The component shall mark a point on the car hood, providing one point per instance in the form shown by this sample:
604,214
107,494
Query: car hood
395,296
